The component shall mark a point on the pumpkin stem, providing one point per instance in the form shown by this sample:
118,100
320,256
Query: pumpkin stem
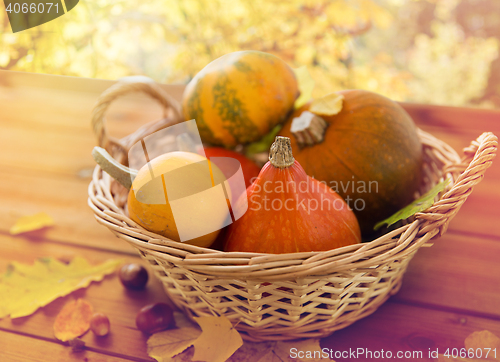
120,173
308,129
280,154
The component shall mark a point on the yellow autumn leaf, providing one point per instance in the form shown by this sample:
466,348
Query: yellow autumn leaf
165,345
344,14
31,223
306,86
73,320
328,105
218,341
24,288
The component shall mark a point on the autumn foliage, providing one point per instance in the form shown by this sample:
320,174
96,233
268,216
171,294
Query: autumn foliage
413,50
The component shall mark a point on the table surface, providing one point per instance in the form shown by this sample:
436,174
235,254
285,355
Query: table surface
449,291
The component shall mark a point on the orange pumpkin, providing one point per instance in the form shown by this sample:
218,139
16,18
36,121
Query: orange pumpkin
369,153
240,97
248,167
150,207
289,211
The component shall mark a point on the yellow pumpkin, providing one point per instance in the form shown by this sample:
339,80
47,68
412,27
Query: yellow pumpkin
240,97
184,181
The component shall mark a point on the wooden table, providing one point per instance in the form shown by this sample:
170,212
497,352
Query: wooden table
450,290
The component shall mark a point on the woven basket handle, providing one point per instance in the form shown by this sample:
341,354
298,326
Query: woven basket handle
130,85
479,156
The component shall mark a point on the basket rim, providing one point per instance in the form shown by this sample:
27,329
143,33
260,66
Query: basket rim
404,241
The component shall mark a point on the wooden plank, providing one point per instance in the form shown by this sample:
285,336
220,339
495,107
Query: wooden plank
455,118
22,348
399,328
108,297
459,272
65,201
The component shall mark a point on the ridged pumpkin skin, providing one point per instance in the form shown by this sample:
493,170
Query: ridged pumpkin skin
159,218
240,97
373,141
290,212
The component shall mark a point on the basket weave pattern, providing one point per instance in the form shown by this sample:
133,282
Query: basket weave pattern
285,296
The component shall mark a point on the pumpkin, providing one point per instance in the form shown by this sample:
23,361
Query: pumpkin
204,213
369,153
240,97
248,167
289,211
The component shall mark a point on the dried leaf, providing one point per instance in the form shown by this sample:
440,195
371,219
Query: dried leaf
162,346
218,341
484,340
24,288
252,351
73,320
31,223
182,321
418,205
306,350
328,105
306,86
175,345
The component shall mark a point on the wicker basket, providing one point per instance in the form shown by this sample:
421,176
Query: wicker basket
285,296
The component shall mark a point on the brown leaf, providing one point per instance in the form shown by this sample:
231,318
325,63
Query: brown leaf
73,320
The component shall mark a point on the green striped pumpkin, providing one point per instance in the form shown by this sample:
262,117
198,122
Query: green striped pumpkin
240,97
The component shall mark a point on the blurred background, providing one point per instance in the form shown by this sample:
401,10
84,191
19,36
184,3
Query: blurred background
427,51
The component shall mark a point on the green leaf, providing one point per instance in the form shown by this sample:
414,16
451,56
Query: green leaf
265,143
418,205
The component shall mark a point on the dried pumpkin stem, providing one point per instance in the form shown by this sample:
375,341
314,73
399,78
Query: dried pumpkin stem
308,129
280,154
120,173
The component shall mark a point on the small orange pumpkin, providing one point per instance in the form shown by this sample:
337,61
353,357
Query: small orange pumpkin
149,205
289,211
240,97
